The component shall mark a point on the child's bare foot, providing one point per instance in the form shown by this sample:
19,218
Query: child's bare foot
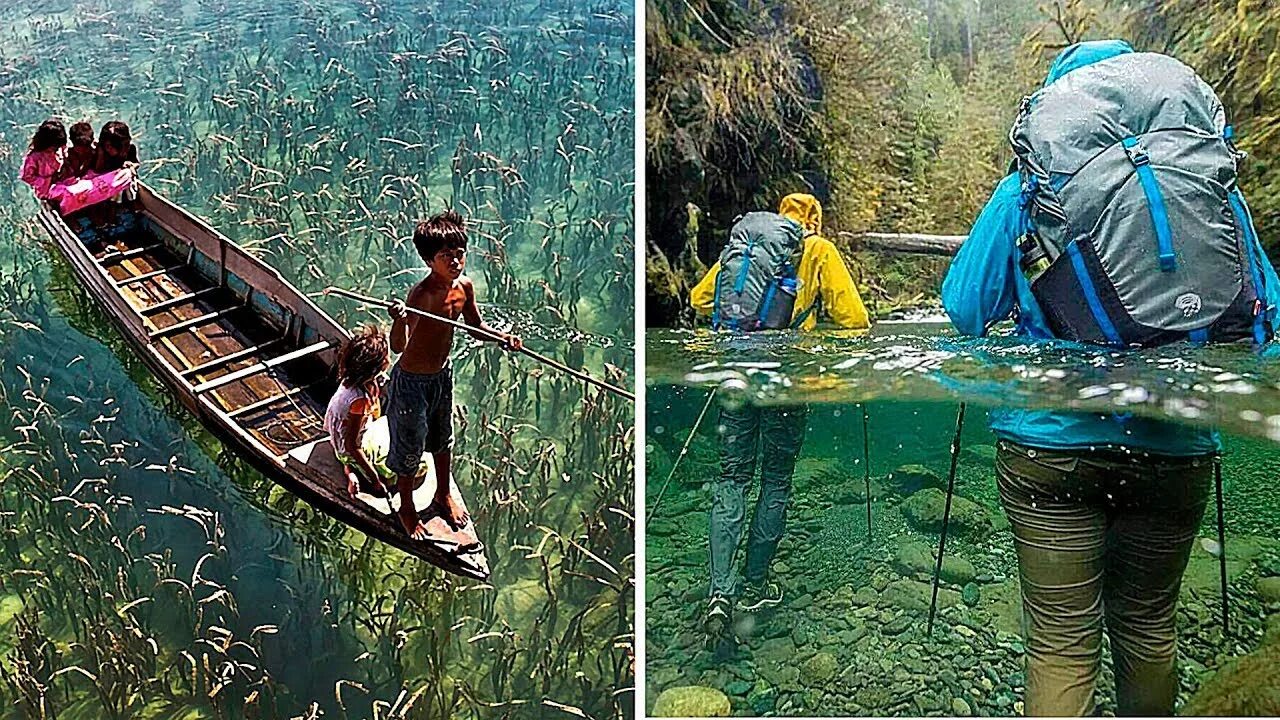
411,524
455,516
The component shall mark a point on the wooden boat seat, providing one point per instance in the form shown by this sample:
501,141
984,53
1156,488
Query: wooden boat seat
317,461
259,367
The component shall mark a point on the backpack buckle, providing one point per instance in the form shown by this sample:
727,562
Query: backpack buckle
1136,152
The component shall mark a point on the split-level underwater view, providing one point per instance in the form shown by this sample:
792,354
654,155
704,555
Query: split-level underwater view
850,635
146,569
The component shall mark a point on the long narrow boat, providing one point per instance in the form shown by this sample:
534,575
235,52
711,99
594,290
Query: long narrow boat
243,349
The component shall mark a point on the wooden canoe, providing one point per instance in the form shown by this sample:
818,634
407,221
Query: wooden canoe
243,349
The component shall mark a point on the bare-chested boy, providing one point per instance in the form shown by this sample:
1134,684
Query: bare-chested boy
420,392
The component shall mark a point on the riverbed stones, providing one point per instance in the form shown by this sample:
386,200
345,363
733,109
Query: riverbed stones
909,479
925,508
691,701
914,557
979,454
914,596
865,595
897,625
1269,590
1246,686
960,708
819,669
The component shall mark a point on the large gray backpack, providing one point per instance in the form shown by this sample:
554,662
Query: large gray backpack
1129,179
756,286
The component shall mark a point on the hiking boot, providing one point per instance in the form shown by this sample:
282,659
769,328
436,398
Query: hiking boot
716,622
757,596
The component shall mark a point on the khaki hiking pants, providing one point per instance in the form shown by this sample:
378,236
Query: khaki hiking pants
774,435
1101,537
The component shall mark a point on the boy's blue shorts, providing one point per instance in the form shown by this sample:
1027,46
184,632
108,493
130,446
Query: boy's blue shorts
419,417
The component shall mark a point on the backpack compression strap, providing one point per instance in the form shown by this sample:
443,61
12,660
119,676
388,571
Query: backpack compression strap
1155,201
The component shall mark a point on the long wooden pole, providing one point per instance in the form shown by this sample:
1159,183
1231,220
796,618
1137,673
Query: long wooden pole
488,333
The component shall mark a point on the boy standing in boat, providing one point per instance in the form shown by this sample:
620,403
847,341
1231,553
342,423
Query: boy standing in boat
420,391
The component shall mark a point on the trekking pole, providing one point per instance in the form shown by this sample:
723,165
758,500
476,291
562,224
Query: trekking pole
946,516
488,333
683,451
1222,544
866,466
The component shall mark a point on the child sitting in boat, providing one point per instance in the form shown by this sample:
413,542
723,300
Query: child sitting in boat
115,148
420,391
44,158
360,361
80,157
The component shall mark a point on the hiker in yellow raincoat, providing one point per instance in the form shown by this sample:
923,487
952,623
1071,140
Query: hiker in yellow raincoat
825,284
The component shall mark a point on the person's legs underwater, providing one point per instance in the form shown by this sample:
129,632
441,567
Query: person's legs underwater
1155,522
1059,532
781,437
738,448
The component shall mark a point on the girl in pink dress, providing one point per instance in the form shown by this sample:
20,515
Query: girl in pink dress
44,158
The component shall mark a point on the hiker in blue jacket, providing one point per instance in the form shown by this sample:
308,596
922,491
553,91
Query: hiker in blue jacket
1104,509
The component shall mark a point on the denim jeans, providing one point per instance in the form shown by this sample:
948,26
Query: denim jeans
777,433
1102,537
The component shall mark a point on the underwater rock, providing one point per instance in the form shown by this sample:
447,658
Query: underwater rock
914,557
1202,574
784,677
855,493
971,595
1245,686
763,702
924,511
909,479
738,687
1003,602
1271,631
914,596
960,708
691,701
820,668
979,454
1269,590
898,625
663,527
865,595
778,650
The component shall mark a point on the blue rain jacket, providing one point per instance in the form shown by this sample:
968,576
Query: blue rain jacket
985,286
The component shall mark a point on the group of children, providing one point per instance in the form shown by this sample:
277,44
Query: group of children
419,392
50,168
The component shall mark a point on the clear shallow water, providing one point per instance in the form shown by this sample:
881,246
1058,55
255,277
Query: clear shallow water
849,637
1226,386
147,572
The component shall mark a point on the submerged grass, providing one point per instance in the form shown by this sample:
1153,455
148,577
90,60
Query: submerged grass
151,586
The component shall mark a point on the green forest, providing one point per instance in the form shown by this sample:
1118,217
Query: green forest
895,113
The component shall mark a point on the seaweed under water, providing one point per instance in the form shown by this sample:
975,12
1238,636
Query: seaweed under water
146,571
850,635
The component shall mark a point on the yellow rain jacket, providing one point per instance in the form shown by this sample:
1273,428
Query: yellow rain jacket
822,273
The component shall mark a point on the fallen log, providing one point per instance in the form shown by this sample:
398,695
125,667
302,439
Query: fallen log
919,243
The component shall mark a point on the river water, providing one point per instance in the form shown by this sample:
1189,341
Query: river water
850,636
145,571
